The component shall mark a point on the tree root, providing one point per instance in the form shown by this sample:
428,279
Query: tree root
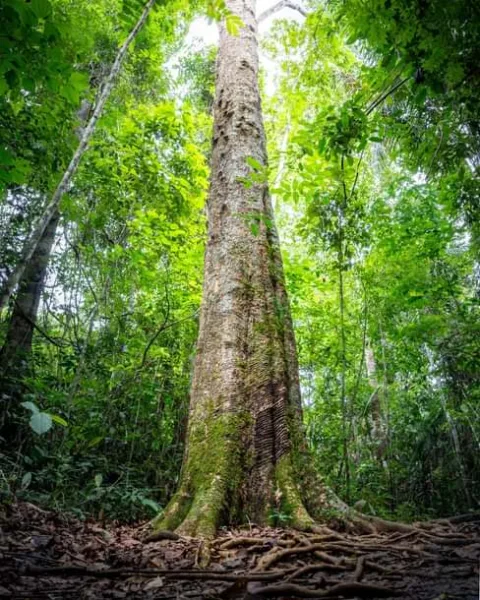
162,534
250,541
75,571
307,569
265,562
277,555
360,590
359,569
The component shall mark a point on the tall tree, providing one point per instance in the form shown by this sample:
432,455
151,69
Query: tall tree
245,419
51,209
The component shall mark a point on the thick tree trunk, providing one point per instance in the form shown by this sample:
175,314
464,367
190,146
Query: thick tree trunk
246,458
245,419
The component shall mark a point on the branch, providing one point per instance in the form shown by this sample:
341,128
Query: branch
43,333
277,7
384,96
162,328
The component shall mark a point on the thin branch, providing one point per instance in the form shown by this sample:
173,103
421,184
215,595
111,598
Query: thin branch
278,6
41,331
384,96
164,326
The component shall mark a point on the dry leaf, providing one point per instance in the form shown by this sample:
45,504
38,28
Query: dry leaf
154,584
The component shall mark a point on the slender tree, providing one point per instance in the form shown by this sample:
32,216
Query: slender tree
18,342
17,348
29,273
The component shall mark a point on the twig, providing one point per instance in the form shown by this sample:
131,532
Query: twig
59,344
163,328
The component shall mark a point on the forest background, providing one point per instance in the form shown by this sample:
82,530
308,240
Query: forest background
372,118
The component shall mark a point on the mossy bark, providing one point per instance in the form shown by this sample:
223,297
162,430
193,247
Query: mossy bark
245,442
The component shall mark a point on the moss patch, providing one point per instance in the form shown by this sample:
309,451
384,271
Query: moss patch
211,476
291,503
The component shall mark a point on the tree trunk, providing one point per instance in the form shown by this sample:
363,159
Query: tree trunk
378,430
246,457
375,405
17,348
245,433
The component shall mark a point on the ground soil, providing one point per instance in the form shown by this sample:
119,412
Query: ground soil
51,555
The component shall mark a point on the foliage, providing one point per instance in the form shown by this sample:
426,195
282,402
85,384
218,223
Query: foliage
381,256
372,123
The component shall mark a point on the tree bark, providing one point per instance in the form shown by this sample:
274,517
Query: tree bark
17,348
246,457
245,435
378,430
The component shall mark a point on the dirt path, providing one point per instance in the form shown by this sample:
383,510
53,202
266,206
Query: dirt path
49,555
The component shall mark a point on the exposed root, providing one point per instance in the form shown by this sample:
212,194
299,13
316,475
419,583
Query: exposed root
360,590
250,541
161,535
265,562
308,569
277,555
379,525
175,512
197,516
359,569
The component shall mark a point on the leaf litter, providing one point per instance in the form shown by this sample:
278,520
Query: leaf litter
54,556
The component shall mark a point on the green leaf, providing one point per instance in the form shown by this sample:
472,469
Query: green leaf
216,9
41,422
77,83
59,420
26,479
253,162
30,406
96,440
151,504
3,86
98,480
233,24
42,8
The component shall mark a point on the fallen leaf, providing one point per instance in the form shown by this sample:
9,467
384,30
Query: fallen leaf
154,584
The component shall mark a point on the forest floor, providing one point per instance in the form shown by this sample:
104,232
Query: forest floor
53,556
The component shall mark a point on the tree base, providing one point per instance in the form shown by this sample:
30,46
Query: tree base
201,513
